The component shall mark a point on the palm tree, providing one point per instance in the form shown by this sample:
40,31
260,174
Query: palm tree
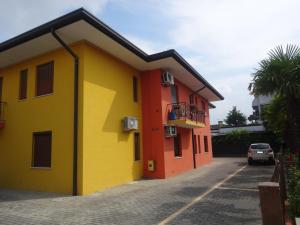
279,75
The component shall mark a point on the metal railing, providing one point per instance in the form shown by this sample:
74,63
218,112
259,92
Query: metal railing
2,111
185,111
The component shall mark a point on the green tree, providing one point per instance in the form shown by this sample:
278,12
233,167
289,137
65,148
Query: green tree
274,115
279,75
253,118
235,118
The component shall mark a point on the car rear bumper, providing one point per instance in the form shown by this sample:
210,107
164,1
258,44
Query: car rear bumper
261,157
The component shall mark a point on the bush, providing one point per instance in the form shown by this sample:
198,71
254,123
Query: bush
294,188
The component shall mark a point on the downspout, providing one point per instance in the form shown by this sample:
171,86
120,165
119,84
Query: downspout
75,130
194,146
195,92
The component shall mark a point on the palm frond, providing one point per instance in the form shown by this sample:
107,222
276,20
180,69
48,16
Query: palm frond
279,73
292,51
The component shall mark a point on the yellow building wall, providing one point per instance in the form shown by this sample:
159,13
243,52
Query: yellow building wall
105,151
53,112
108,151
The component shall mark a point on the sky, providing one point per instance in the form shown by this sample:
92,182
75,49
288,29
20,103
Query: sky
223,39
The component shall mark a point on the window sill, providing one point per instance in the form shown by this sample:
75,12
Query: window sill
45,95
41,168
177,157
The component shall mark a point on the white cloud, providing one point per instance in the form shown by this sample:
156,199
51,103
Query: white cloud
224,38
234,89
233,33
18,16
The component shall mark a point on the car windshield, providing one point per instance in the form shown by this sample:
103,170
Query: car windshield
260,146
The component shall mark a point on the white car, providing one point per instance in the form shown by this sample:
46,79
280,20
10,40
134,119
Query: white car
260,152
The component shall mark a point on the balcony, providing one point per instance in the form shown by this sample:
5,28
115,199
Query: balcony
185,115
2,111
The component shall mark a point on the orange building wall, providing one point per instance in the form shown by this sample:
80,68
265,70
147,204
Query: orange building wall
203,157
155,99
153,133
176,165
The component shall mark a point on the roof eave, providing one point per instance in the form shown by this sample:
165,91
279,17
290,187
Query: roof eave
82,14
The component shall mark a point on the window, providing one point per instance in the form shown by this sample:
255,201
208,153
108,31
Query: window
1,105
174,93
1,84
44,79
205,144
177,146
203,105
191,99
199,146
23,85
195,144
42,149
135,88
137,151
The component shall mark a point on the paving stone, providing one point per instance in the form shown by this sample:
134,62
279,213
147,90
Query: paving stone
148,201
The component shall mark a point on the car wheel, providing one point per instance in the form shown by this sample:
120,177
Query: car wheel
250,162
272,161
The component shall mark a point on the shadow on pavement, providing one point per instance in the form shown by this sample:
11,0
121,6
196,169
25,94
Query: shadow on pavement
7,195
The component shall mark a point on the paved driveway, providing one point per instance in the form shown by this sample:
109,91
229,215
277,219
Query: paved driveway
223,192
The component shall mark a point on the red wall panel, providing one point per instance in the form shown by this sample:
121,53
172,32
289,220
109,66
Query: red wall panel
155,99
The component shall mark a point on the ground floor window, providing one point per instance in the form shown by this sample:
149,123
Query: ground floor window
195,144
177,146
205,144
199,146
137,150
42,142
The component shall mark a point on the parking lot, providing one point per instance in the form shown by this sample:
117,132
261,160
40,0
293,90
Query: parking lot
223,192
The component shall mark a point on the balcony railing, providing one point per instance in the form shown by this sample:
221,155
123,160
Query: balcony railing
190,114
2,114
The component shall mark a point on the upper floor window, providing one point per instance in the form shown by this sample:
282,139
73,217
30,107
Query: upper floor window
191,99
203,106
44,79
174,93
23,85
135,88
1,84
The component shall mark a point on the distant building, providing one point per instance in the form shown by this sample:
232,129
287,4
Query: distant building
222,129
258,104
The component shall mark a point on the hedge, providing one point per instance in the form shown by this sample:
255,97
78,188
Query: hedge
237,143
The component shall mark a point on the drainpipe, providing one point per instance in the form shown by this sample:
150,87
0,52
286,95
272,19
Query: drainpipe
75,130
195,92
194,146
